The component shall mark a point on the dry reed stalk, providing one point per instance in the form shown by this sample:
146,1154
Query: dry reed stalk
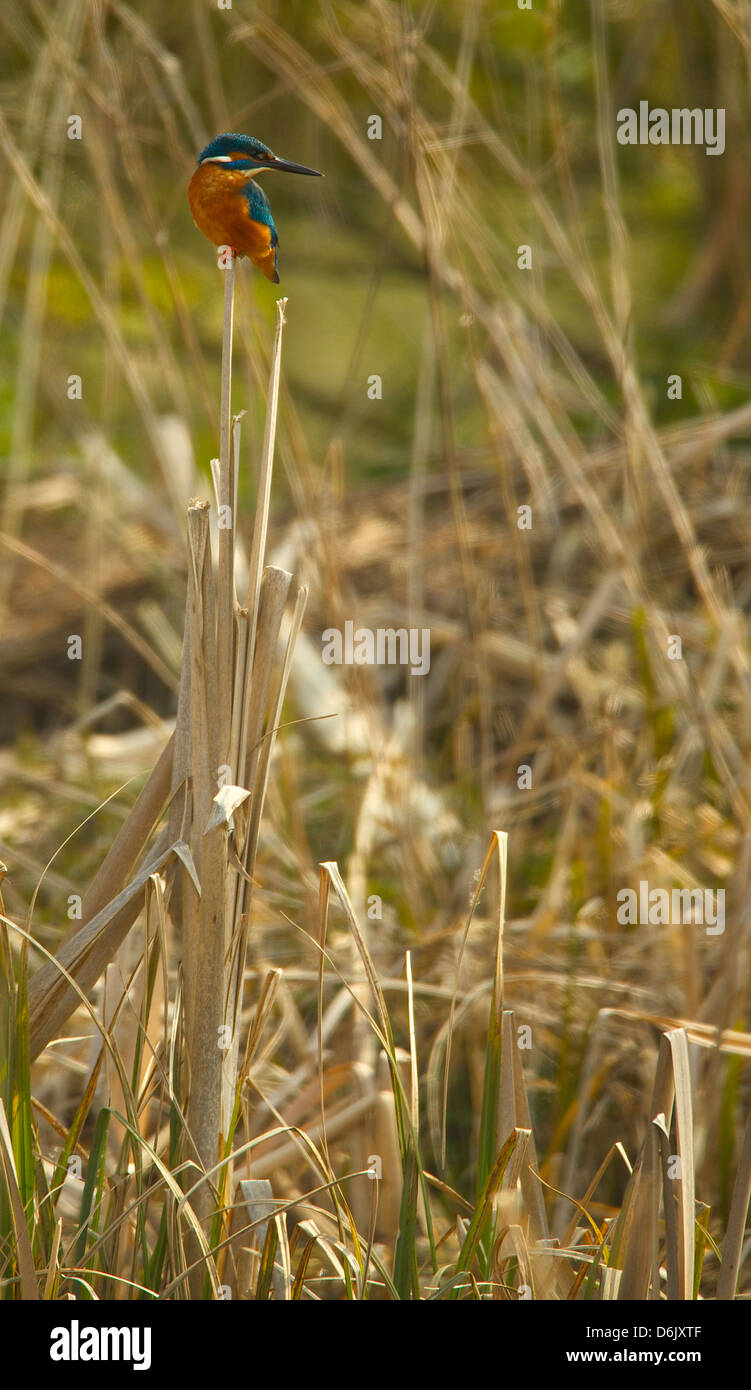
727,1283
635,1243
261,1208
225,599
260,530
513,1113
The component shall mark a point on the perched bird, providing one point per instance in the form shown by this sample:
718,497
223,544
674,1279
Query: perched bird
227,204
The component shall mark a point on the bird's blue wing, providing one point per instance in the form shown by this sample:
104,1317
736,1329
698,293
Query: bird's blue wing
260,208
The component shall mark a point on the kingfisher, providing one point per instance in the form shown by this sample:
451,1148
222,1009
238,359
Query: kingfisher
227,204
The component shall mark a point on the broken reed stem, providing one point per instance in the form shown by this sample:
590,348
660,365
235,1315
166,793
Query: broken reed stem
227,500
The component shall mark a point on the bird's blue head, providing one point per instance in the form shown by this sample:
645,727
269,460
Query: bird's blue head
243,152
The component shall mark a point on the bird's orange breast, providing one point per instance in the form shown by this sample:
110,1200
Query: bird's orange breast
222,212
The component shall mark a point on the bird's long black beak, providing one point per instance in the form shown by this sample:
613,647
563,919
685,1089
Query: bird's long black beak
285,166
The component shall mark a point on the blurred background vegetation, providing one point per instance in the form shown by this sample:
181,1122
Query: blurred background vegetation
501,387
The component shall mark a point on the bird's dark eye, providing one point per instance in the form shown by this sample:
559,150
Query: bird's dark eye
251,154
